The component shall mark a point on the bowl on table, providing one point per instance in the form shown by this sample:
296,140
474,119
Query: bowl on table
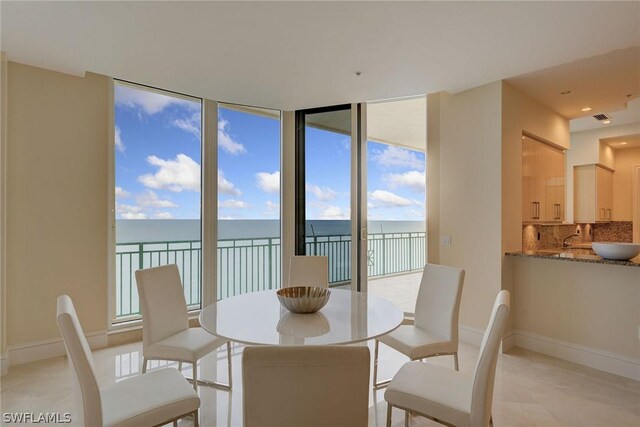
303,299
616,251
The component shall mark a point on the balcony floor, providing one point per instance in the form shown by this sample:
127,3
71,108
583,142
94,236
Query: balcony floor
400,289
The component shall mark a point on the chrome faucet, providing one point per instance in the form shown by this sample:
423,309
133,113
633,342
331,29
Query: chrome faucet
565,243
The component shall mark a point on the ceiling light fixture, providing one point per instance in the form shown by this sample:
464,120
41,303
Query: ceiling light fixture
565,92
606,122
585,109
623,143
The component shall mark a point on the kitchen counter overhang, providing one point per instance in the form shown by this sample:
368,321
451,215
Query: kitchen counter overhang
573,256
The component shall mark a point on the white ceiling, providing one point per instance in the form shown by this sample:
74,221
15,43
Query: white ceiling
625,116
290,55
600,82
623,141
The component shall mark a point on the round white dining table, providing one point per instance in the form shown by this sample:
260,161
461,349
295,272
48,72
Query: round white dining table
257,318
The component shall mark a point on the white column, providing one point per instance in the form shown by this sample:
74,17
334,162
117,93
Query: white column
287,191
209,201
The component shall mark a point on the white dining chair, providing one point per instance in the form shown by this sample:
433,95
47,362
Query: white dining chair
309,270
157,398
449,397
310,386
166,334
434,331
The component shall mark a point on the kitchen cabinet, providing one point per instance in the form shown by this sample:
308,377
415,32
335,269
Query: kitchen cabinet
593,193
543,182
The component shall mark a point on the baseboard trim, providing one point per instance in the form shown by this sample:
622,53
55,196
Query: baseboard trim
508,341
613,363
470,335
4,364
40,350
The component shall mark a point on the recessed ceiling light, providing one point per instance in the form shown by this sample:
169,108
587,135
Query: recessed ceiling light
585,109
623,143
606,122
565,92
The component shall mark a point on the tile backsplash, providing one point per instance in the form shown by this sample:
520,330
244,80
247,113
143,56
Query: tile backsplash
552,235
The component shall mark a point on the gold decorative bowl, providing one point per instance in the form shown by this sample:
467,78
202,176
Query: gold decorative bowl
303,299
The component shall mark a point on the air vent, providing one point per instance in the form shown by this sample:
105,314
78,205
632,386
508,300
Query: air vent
601,117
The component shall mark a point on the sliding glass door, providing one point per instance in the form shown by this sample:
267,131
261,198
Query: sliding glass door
328,190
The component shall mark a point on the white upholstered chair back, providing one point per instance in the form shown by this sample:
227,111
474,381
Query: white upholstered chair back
311,386
438,303
309,271
162,302
86,390
485,372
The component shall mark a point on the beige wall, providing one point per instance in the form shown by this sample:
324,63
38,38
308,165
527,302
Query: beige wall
3,207
626,160
586,149
469,144
579,303
57,200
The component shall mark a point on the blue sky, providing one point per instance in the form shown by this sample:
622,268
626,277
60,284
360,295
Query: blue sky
158,165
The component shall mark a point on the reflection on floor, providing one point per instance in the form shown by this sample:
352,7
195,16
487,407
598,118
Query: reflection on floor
531,389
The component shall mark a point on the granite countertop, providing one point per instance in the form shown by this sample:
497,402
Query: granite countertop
575,255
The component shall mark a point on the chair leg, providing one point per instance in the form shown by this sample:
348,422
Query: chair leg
195,375
491,421
175,423
377,385
229,362
406,418
375,363
388,414
196,420
455,360
144,365
180,366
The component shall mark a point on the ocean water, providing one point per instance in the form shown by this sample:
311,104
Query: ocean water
165,230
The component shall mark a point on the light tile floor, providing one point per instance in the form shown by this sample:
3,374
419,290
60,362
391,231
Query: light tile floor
531,389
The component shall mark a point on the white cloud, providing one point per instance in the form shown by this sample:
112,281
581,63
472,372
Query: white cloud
268,182
412,179
333,212
162,215
226,142
177,175
387,198
393,156
118,141
122,193
225,186
321,193
130,212
189,124
146,101
234,204
150,199
272,208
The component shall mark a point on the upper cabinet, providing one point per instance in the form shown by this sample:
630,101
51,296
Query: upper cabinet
593,193
543,182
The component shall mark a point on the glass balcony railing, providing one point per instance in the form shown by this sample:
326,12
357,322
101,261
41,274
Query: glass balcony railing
249,265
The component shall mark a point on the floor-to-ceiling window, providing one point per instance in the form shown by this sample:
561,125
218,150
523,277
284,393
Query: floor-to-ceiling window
396,199
157,172
249,246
